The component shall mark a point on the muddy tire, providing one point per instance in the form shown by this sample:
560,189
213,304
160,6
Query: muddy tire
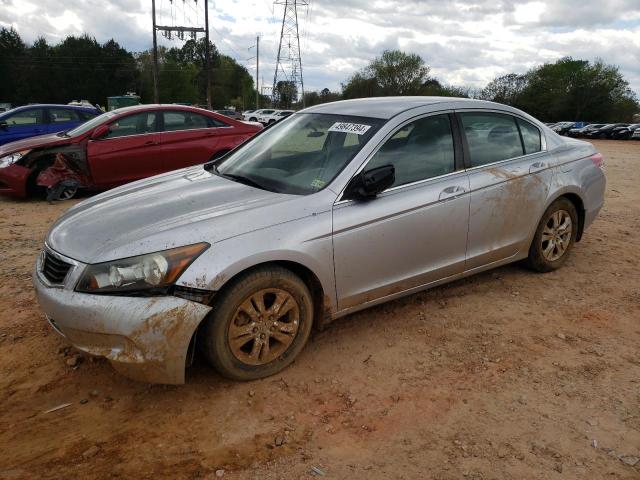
554,237
259,324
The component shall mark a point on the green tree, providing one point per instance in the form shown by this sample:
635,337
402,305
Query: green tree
393,73
12,59
506,89
567,89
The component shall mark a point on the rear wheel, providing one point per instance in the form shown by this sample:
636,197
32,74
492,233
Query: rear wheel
554,237
259,324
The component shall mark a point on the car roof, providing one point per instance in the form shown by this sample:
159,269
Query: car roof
51,105
388,107
159,106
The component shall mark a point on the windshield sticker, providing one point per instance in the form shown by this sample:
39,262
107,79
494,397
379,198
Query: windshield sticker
357,128
317,183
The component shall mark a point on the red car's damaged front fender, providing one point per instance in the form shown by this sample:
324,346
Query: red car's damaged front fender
62,172
14,180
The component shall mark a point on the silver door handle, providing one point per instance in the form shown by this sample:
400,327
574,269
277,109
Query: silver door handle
536,167
451,192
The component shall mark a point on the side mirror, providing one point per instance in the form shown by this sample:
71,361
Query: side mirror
4,125
369,183
99,132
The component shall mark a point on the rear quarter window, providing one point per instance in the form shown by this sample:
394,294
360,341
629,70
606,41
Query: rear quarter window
530,136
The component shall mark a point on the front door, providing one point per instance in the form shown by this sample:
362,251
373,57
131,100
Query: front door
509,176
131,150
414,233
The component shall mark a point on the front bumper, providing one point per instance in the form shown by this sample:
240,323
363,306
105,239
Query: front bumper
13,180
144,338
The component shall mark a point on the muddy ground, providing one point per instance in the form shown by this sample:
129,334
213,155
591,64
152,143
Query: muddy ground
505,375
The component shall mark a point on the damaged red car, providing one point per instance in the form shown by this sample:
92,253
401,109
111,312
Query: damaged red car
116,148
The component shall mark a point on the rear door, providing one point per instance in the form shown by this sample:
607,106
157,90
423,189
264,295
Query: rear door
190,138
63,119
509,176
131,150
23,124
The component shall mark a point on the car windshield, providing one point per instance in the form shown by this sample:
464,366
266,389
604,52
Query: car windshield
90,125
300,155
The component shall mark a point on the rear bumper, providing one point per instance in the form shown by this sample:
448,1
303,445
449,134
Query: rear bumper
13,180
146,339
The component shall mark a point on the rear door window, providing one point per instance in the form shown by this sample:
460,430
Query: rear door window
62,115
491,137
182,120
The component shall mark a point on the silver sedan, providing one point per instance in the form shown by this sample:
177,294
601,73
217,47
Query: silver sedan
337,208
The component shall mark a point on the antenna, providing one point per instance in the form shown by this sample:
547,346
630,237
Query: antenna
287,79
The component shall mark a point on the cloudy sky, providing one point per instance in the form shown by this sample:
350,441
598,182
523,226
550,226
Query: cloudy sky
465,43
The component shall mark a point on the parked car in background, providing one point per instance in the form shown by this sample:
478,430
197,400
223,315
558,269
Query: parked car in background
231,114
636,134
561,125
582,132
254,115
343,206
604,131
117,147
624,133
276,116
562,128
32,120
4,106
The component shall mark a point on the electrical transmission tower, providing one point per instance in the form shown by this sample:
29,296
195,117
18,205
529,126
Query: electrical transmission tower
289,63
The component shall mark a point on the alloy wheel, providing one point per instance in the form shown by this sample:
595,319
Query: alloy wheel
264,326
556,235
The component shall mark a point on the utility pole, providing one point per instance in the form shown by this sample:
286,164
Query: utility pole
156,94
257,57
257,71
207,53
168,31
289,61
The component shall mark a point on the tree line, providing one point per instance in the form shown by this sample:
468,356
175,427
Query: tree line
82,68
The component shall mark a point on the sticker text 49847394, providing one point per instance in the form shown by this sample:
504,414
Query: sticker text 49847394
357,128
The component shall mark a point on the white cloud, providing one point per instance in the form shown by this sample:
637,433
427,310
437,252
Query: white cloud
466,42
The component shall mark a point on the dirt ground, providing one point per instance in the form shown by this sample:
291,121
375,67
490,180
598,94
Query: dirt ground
505,375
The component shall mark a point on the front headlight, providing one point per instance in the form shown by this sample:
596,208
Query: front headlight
153,271
13,158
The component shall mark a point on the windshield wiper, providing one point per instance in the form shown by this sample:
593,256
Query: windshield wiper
242,179
236,178
63,134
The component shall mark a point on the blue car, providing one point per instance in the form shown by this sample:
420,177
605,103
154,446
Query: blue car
32,120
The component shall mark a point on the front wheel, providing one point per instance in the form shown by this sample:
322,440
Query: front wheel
554,237
259,324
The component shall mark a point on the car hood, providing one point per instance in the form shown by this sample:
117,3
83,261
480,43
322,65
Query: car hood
31,143
179,208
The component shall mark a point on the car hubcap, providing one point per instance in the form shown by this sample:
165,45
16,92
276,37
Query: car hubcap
264,326
556,235
68,193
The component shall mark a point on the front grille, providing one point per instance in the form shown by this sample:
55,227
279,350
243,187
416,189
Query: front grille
54,269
